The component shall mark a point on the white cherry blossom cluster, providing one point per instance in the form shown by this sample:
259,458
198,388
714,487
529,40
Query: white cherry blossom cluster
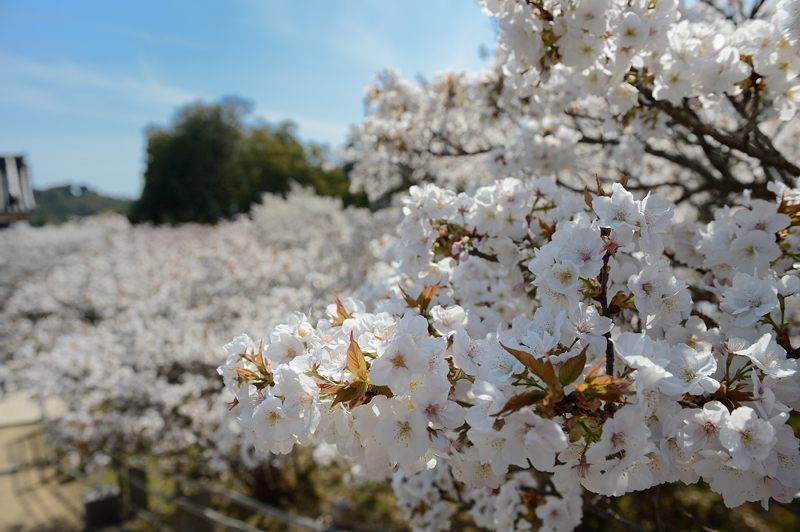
407,134
533,343
695,99
686,53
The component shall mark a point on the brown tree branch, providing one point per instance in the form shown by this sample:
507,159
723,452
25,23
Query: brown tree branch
688,119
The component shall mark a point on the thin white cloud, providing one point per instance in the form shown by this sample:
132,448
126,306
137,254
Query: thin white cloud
309,128
144,88
26,12
364,45
23,94
45,87
163,39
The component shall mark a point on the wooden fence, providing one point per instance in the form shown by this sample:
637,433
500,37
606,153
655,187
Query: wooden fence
192,502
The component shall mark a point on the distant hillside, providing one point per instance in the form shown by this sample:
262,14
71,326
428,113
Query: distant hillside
58,204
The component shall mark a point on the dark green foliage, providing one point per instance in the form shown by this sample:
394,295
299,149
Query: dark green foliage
210,164
58,204
189,175
331,181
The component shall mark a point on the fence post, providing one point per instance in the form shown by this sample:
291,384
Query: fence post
137,485
186,511
102,508
122,483
132,481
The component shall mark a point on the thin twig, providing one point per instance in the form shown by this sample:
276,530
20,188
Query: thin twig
610,514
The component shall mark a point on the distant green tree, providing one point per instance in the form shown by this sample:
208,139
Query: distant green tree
268,160
189,175
210,164
61,203
330,180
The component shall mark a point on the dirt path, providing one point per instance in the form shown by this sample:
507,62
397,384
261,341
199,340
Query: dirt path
32,496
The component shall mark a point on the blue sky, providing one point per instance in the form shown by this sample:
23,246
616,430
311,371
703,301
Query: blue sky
80,80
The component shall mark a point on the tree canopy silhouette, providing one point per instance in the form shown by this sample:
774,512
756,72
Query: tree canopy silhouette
211,163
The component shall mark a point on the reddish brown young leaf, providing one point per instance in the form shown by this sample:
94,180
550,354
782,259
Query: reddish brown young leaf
361,395
738,394
521,401
602,380
341,313
587,197
620,302
356,362
549,374
600,191
329,388
243,375
260,357
352,392
410,301
587,404
526,359
425,298
572,368
547,230
591,372
610,395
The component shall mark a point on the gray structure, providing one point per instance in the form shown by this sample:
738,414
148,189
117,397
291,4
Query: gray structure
16,193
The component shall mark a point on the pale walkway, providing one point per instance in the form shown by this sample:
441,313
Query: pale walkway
32,496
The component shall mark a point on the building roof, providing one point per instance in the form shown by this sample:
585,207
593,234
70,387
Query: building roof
16,193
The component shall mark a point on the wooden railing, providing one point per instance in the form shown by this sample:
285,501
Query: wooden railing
192,500
6,217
